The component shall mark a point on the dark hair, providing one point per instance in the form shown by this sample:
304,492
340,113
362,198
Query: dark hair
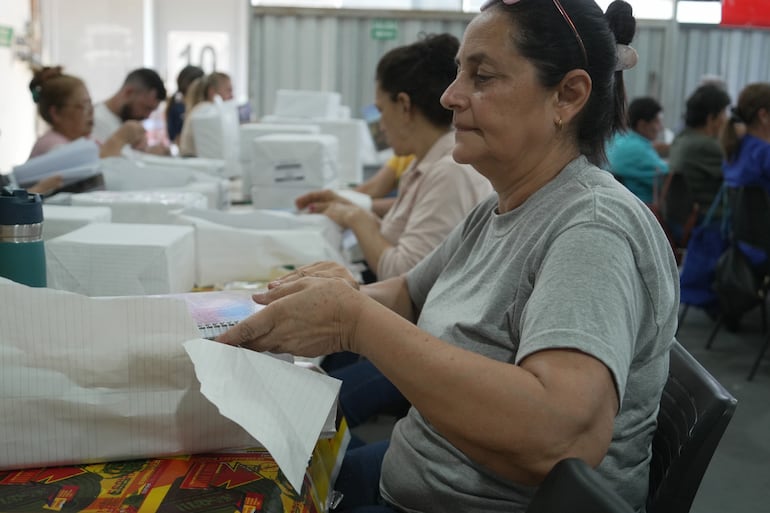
423,70
547,40
186,77
752,99
148,80
643,109
707,100
52,88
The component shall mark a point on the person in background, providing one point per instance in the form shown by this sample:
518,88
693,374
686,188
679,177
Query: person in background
64,103
695,152
631,155
205,90
435,192
540,329
175,104
747,156
44,187
384,182
434,195
141,93
745,141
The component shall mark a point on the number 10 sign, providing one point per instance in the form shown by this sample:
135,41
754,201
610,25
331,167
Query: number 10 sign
209,50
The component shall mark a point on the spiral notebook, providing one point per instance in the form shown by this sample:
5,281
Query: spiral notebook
217,311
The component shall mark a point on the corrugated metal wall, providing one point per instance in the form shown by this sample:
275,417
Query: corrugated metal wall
334,50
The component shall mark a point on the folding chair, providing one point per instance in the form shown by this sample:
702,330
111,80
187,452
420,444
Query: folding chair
749,208
695,410
572,486
678,212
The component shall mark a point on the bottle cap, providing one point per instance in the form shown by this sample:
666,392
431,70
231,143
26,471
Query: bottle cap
17,206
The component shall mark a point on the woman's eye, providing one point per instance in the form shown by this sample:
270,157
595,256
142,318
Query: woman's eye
481,78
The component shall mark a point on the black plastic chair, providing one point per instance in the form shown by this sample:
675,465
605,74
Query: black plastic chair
695,410
678,212
749,208
572,486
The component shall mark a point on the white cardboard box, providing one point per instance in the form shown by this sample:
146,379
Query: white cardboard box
288,165
249,246
142,207
61,219
298,103
108,259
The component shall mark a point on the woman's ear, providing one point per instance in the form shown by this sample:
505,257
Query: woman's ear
404,102
572,94
53,113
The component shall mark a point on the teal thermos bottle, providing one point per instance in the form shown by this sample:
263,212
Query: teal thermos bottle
22,254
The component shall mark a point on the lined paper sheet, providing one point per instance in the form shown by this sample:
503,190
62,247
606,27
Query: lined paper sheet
96,379
283,406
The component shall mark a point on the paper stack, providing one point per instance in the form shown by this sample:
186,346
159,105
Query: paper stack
104,259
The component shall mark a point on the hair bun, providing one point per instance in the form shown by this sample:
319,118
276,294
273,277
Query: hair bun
620,16
41,76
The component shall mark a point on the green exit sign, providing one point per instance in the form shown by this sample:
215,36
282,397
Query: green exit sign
6,35
384,30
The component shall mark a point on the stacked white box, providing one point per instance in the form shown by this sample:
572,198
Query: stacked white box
106,259
250,131
61,219
151,207
296,103
216,134
250,245
288,165
167,174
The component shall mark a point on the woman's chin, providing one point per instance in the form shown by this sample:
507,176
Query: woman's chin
462,155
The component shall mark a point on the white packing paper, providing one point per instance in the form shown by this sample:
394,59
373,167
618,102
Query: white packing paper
287,424
104,379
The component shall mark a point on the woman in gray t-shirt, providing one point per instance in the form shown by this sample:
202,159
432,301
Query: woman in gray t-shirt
540,328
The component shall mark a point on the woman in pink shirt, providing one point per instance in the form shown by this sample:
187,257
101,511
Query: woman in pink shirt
64,103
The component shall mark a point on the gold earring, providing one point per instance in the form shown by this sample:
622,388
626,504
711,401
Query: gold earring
558,124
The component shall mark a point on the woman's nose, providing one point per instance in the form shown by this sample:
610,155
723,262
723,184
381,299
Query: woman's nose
450,98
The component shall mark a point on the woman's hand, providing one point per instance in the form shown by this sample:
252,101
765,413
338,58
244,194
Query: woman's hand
318,201
304,316
340,210
47,185
317,270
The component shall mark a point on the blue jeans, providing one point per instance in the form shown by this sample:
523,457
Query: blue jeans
359,480
366,392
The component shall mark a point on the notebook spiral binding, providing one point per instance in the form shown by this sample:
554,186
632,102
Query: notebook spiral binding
212,330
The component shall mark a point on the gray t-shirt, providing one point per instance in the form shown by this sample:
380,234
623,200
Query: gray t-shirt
581,264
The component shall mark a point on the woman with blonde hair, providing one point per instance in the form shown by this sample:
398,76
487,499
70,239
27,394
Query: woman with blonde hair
203,91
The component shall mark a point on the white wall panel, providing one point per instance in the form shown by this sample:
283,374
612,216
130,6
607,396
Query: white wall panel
330,50
95,40
333,50
17,110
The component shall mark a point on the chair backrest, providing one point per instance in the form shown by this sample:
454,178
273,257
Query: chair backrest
572,486
750,215
694,412
677,202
